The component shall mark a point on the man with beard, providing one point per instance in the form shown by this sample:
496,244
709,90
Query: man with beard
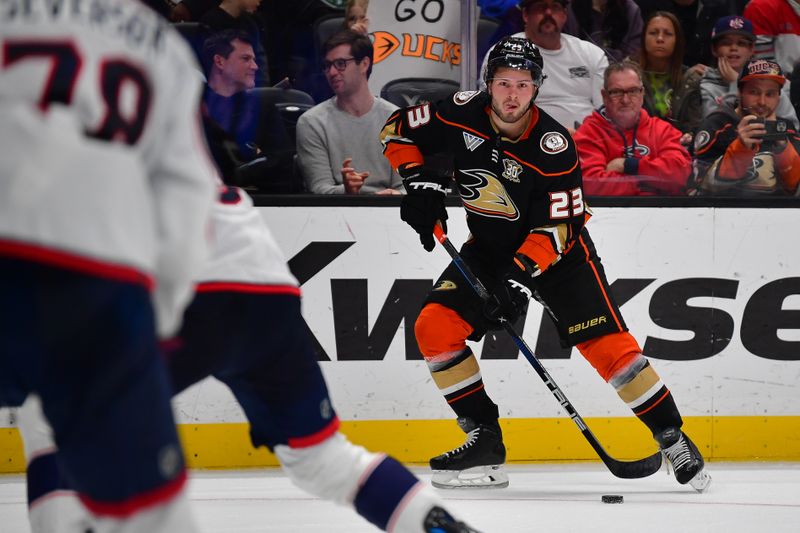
623,150
573,67
744,147
520,182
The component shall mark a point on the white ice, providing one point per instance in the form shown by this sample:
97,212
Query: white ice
743,498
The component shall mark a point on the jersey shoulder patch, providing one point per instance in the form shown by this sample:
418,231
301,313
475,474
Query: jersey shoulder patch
553,142
462,97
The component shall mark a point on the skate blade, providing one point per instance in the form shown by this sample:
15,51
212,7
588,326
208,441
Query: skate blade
479,477
700,481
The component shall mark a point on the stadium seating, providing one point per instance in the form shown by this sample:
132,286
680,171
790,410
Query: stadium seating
404,92
279,109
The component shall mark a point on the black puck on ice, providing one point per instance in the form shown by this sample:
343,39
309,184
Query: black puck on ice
611,498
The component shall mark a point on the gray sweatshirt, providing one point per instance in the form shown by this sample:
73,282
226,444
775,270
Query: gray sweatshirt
326,136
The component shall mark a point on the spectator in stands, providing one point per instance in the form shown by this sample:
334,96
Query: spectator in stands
239,15
732,43
337,136
777,27
693,17
613,25
355,16
672,91
623,150
231,68
733,154
573,67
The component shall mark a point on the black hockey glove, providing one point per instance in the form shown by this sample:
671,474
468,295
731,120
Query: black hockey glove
510,297
423,205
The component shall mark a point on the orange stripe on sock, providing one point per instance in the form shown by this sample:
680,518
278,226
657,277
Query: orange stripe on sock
476,389
657,402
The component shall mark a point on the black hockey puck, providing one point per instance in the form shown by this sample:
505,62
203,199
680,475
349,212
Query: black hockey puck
612,498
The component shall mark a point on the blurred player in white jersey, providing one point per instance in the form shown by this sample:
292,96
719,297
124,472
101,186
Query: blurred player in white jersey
105,193
244,327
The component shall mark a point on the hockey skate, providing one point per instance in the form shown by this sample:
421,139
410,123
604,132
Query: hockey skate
440,521
478,463
686,461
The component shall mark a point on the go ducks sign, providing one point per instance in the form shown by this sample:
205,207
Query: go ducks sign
415,38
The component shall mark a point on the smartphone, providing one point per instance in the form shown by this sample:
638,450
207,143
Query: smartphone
776,129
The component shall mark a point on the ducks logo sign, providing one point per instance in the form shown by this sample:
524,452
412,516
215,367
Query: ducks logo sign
415,38
425,47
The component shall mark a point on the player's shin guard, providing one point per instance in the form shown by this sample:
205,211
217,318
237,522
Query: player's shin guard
459,380
441,334
379,488
479,461
643,391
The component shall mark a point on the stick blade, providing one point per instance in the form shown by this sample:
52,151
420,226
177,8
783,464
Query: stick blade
634,469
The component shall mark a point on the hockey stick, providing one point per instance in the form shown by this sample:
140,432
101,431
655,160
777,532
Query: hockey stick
622,469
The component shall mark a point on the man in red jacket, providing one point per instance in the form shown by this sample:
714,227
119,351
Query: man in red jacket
623,150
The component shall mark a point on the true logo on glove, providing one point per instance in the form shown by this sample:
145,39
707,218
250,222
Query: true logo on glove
427,186
525,290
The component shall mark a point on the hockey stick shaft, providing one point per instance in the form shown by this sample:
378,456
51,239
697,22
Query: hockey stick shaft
622,469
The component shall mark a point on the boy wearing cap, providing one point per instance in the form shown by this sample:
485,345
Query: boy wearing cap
744,147
732,43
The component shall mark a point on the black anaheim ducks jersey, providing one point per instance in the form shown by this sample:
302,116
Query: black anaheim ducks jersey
520,195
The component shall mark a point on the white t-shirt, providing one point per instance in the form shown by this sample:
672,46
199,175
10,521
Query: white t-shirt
574,73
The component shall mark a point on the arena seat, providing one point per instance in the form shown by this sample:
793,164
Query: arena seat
404,92
194,33
278,110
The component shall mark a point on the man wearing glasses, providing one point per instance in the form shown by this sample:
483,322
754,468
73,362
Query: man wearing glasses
574,67
336,148
623,150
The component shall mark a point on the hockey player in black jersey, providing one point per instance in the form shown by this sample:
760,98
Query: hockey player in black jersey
518,176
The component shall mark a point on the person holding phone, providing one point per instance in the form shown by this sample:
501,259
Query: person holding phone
733,45
744,147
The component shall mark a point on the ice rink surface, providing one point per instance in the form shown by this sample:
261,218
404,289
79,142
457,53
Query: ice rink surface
743,498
